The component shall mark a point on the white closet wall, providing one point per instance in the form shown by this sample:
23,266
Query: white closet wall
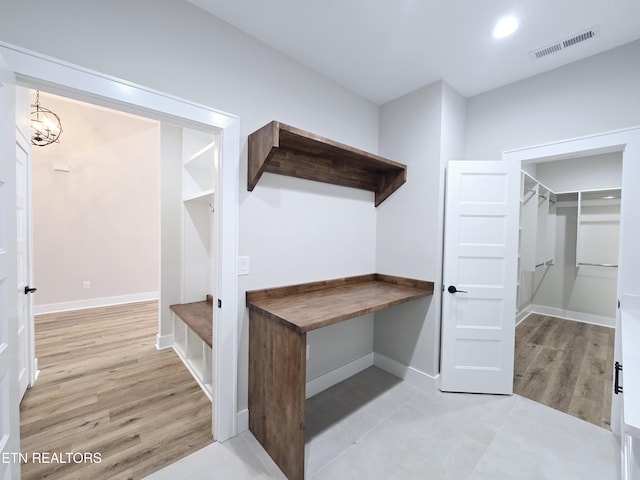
562,288
537,235
199,155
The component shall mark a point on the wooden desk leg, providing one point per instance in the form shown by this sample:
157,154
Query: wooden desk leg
277,377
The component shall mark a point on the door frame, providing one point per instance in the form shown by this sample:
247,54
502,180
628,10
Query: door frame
34,70
626,141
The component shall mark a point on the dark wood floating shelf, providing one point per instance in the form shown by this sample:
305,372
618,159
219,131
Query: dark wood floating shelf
286,150
309,306
198,316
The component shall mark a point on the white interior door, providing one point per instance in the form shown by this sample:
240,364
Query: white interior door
25,340
9,392
480,276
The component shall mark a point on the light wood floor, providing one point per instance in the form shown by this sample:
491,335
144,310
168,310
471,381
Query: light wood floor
104,388
566,365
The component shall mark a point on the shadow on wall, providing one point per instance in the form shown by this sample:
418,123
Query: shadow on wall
399,330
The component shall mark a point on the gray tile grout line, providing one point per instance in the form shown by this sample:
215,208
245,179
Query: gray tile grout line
504,421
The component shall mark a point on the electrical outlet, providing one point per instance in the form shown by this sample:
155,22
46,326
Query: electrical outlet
86,284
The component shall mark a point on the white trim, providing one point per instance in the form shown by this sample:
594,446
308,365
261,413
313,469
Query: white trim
336,376
225,333
627,457
94,302
32,69
197,376
410,374
604,142
522,314
242,420
164,341
573,315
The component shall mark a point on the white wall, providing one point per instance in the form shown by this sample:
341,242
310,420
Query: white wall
293,230
596,172
594,95
171,237
99,222
423,129
563,286
575,291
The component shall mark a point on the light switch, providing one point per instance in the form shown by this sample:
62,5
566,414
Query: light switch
243,265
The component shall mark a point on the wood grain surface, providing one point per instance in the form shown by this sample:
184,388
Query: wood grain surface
286,150
277,372
315,305
198,316
566,365
105,388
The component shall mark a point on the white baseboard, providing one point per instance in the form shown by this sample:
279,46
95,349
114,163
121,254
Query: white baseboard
410,374
571,315
522,314
317,385
336,376
242,420
94,302
164,341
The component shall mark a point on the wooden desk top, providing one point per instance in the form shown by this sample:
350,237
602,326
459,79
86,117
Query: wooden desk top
198,316
309,306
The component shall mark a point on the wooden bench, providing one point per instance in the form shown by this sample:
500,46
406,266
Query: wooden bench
193,337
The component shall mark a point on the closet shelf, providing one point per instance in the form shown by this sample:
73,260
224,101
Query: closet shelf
200,158
285,150
204,195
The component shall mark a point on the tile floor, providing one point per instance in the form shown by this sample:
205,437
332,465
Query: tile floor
376,426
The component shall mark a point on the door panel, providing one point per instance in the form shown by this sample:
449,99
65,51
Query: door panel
9,396
480,271
23,252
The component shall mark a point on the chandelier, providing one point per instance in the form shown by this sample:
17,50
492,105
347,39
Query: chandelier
45,125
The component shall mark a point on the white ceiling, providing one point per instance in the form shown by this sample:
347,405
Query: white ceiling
382,49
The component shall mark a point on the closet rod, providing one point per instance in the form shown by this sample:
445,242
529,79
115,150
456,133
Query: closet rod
598,264
545,197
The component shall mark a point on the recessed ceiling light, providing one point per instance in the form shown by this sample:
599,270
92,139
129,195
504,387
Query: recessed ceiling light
505,27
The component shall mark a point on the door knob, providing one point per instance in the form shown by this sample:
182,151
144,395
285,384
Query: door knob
453,289
28,290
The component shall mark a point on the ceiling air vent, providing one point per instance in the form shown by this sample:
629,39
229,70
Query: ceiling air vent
566,43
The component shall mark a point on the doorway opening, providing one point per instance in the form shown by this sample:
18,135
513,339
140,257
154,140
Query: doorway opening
567,291
96,216
33,70
627,143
